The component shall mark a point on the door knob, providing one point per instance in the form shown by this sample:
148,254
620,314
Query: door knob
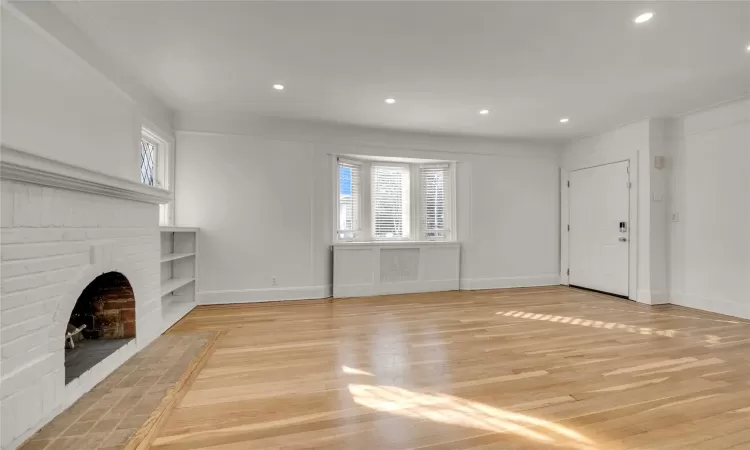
623,239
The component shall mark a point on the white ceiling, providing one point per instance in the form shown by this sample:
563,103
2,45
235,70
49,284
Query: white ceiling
529,63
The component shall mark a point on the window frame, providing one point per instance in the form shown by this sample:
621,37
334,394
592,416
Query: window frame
450,213
356,232
163,169
367,216
157,144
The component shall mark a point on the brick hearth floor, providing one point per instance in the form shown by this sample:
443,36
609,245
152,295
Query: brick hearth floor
107,417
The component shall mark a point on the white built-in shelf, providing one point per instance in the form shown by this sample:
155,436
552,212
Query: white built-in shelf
172,284
175,256
172,312
178,229
179,256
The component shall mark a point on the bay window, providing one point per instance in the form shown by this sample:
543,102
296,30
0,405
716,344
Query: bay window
394,200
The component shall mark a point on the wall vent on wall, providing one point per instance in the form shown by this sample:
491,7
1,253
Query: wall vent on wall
399,264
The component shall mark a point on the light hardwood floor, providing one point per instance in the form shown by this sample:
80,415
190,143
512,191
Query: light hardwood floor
530,368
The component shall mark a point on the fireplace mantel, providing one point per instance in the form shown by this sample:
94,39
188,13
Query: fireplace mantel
18,165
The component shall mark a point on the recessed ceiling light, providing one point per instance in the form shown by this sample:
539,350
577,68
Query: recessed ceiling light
564,120
747,49
278,87
645,17
484,112
390,101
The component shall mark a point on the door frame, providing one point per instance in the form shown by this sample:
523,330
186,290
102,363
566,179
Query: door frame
633,254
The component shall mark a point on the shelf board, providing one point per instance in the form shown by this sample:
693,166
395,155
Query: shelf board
178,229
174,256
173,311
173,284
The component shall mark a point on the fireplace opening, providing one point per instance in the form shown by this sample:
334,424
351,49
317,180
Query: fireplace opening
102,321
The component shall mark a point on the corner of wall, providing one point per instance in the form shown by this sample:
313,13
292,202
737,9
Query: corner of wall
64,22
658,201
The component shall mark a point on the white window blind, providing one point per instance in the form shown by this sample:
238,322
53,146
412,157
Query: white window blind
390,202
435,201
350,198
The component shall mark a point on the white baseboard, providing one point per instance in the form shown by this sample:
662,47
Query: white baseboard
714,305
650,297
472,284
409,287
263,295
659,297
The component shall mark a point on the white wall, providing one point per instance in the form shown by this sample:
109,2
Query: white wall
709,181
252,200
58,105
262,193
64,22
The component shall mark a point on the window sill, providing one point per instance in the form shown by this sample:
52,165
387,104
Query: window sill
394,243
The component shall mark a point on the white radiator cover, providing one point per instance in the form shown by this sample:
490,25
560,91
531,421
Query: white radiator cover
365,269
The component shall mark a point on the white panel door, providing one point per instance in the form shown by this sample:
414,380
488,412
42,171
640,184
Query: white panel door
599,247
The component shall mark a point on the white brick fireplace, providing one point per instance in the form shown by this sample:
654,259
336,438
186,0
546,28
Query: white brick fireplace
62,226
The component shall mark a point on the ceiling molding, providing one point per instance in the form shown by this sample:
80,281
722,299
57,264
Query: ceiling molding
24,167
356,139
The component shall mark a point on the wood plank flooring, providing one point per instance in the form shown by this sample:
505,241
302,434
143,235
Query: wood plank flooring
538,368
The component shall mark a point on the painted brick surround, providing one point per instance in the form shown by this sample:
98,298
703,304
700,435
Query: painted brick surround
59,232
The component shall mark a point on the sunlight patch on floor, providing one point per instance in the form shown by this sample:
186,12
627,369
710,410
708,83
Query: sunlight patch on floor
586,323
352,371
709,338
450,410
